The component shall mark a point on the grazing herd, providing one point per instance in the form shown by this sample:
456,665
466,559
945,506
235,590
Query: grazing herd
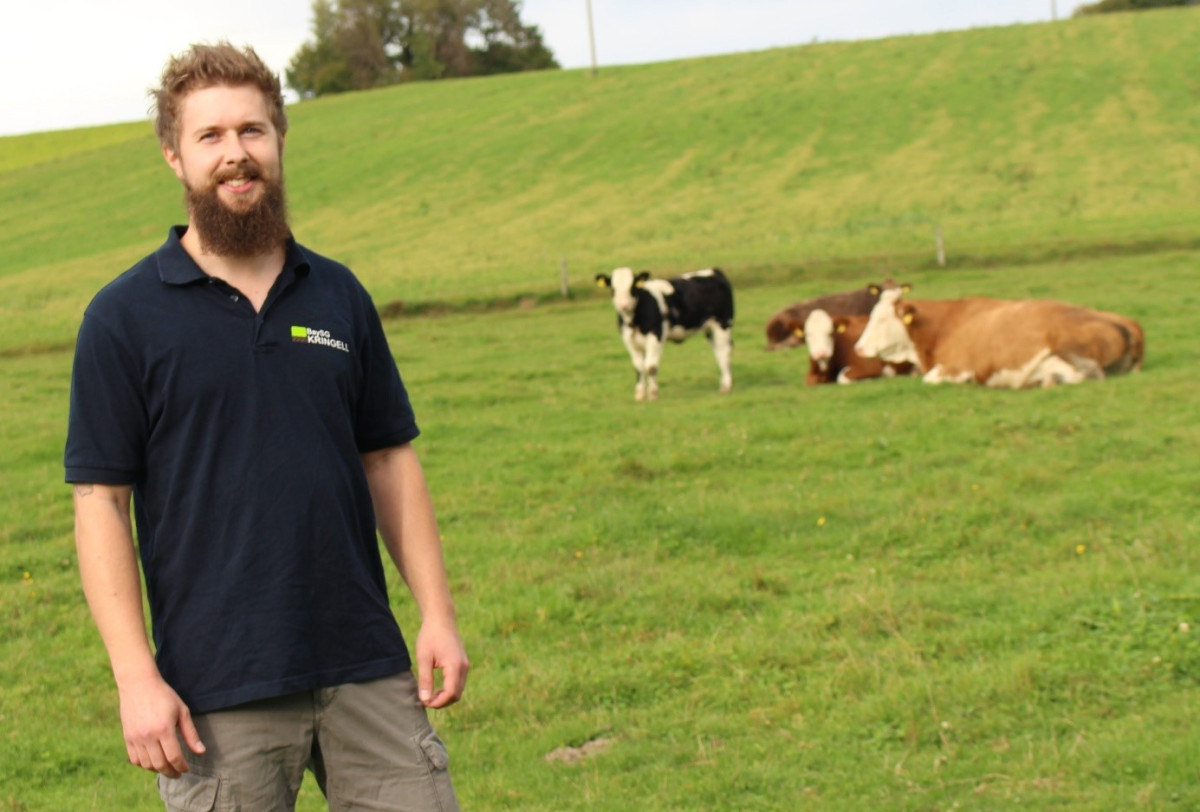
876,332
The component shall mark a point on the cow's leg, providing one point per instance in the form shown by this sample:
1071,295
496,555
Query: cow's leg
653,355
721,339
1055,370
636,350
939,375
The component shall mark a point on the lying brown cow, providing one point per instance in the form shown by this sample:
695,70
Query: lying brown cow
1011,344
831,352
785,328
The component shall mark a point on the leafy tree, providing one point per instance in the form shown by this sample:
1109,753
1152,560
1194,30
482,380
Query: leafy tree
318,67
1107,6
358,44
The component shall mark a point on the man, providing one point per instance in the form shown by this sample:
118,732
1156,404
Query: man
237,388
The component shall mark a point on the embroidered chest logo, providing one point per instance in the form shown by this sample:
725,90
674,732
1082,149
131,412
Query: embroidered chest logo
307,335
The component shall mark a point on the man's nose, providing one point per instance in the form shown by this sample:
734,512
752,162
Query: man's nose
235,150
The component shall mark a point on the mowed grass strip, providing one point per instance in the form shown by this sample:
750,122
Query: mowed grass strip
889,595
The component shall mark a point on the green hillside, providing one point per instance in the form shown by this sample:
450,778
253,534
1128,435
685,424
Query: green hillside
1020,143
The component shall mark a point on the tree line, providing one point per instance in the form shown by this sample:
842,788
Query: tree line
1106,6
360,44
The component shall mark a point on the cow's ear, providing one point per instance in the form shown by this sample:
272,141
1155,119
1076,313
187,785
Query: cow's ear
874,290
640,279
603,281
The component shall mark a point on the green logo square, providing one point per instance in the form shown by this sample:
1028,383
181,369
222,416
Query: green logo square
299,332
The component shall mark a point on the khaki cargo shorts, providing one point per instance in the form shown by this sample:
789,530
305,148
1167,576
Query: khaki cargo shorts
369,744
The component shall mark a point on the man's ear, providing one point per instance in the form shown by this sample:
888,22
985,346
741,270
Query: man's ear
172,159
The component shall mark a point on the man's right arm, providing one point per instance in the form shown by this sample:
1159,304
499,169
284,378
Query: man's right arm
151,711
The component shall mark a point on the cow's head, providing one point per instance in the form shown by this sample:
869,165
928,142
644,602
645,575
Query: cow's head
624,285
886,334
780,331
818,335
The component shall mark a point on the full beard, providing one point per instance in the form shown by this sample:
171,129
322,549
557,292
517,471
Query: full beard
253,231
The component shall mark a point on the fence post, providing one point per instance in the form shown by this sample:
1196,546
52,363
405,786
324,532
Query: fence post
564,284
941,249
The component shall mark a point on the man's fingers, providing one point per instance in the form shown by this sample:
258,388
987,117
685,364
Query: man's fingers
138,756
166,760
425,682
173,759
454,678
191,736
151,757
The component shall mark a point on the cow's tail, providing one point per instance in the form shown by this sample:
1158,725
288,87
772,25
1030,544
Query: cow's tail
1135,349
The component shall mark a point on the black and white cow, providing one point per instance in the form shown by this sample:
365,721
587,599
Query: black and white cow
651,311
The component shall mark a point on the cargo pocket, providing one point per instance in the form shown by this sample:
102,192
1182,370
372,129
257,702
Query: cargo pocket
189,792
437,760
434,750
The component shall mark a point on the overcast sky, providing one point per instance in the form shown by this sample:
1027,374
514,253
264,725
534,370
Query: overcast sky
74,63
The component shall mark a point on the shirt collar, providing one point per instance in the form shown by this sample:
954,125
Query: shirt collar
176,266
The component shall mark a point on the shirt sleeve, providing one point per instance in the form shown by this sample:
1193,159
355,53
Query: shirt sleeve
384,417
107,428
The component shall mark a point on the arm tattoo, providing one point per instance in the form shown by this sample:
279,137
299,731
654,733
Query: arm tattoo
84,489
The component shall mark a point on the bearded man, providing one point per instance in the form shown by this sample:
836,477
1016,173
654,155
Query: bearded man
237,389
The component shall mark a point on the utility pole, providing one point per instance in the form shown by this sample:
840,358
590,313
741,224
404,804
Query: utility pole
591,36
1054,10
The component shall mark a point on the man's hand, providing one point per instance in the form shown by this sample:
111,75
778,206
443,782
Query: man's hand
440,648
151,713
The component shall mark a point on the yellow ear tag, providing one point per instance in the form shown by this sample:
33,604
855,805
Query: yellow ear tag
905,288
798,333
873,290
908,318
640,284
841,328
600,283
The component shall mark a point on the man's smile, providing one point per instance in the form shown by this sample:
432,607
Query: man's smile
239,184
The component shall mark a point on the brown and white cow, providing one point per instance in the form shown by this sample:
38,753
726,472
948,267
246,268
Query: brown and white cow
831,354
1010,344
785,328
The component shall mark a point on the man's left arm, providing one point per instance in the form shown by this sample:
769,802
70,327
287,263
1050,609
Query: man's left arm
404,513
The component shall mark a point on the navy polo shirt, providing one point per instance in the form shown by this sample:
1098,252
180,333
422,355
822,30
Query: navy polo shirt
241,434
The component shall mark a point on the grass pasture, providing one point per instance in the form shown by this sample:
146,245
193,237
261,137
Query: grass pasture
886,596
